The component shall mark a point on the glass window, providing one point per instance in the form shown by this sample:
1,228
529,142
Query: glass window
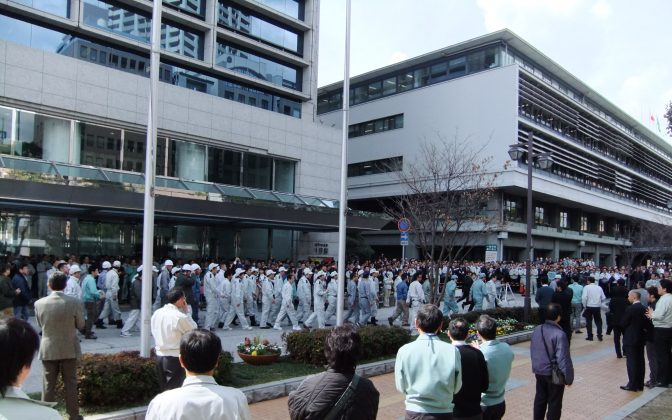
421,76
123,21
33,36
439,71
584,223
186,160
5,131
243,61
375,90
188,43
293,8
55,7
247,22
359,94
390,86
375,166
223,166
457,67
193,7
376,126
601,226
511,210
100,146
257,171
564,220
134,151
42,137
284,176
405,82
539,216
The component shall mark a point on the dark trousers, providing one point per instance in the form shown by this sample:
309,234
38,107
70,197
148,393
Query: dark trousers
548,396
91,316
662,338
618,343
542,315
412,415
593,314
67,368
494,412
635,365
171,373
653,361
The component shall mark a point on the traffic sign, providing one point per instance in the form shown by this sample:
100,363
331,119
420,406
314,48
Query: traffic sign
403,238
404,225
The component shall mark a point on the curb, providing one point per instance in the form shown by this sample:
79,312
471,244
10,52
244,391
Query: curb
279,389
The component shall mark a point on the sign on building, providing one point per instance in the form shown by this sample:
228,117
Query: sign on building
490,253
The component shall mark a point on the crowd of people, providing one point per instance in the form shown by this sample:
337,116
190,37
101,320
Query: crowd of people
87,292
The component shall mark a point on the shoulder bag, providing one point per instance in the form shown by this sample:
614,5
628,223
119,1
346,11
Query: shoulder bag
557,377
344,400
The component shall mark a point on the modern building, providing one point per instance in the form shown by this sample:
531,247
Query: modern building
609,170
243,168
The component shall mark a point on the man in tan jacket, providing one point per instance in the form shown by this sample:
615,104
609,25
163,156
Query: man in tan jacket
60,317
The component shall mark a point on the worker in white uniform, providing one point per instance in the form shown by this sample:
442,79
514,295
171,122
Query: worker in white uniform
267,298
237,301
287,307
319,297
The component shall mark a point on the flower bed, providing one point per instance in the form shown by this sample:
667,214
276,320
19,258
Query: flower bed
505,326
258,351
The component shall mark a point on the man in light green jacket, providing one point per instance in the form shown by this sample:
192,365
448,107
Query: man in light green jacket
499,357
428,371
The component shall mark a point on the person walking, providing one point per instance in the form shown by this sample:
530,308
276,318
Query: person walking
549,348
267,299
60,317
401,293
305,296
353,299
449,302
162,284
7,292
415,298
287,308
635,326
237,302
592,299
428,371
168,325
364,293
319,296
111,296
475,378
662,336
499,358
577,306
332,295
212,298
90,297
478,293
135,297
22,297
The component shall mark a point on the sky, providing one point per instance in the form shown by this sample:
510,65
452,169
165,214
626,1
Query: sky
620,48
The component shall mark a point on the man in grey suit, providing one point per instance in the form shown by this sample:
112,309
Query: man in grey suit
60,317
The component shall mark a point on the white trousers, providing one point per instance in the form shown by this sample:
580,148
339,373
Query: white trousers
236,309
213,312
303,311
318,314
266,304
331,310
133,319
287,309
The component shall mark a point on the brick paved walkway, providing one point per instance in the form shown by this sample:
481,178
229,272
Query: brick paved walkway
594,395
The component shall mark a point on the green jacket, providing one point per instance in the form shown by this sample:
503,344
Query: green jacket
7,293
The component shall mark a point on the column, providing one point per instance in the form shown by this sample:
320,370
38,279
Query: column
56,140
190,161
556,249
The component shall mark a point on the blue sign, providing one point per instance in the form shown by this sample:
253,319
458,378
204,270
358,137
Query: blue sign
404,225
403,238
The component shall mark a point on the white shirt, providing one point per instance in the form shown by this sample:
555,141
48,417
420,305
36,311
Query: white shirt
169,324
592,296
199,398
415,292
72,288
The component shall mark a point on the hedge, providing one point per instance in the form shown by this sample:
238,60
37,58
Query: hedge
377,341
126,378
516,313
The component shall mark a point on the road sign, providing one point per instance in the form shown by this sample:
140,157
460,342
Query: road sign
490,253
404,225
403,238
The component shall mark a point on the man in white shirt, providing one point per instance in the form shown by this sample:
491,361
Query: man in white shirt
73,287
267,291
237,307
287,308
199,398
592,298
415,297
169,324
211,289
111,295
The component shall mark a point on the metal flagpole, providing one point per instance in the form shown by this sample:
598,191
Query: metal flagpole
150,175
343,202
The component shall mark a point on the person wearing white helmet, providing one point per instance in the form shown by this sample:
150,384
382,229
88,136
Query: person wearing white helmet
364,290
111,295
173,277
278,282
185,281
305,296
196,291
374,284
72,287
135,300
267,298
162,284
353,298
237,301
287,308
249,280
319,295
212,297
332,294
223,281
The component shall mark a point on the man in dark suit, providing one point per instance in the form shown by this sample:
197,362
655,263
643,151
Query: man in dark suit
60,317
635,325
475,377
543,298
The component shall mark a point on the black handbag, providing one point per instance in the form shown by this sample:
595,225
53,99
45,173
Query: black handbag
345,400
557,377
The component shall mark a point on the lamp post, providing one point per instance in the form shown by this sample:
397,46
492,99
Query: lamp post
545,161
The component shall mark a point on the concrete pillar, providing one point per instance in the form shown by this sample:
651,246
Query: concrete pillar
56,140
596,256
190,161
556,249
612,256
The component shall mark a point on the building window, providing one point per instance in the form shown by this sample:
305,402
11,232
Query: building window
257,171
376,126
584,223
564,220
223,166
42,137
192,7
601,226
293,8
283,177
511,210
539,216
186,42
617,228
100,146
55,7
113,18
375,166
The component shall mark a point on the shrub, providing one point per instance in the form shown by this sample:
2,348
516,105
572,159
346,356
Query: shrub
377,341
223,372
516,313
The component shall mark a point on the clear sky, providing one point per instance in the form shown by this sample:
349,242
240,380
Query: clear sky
620,48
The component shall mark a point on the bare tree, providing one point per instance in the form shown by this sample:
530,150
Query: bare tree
651,238
446,194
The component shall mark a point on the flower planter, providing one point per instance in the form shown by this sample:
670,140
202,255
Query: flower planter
265,359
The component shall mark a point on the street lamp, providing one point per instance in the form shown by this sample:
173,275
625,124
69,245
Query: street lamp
544,161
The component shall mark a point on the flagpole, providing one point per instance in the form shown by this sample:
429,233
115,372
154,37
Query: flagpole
150,175
343,202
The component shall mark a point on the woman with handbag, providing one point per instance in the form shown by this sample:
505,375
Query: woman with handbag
551,364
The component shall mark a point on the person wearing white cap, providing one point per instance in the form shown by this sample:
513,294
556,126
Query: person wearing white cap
196,290
237,301
287,307
73,287
249,280
332,294
223,278
364,289
162,284
374,284
353,298
135,300
319,295
173,277
267,298
305,296
211,289
278,282
185,281
111,295
388,280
